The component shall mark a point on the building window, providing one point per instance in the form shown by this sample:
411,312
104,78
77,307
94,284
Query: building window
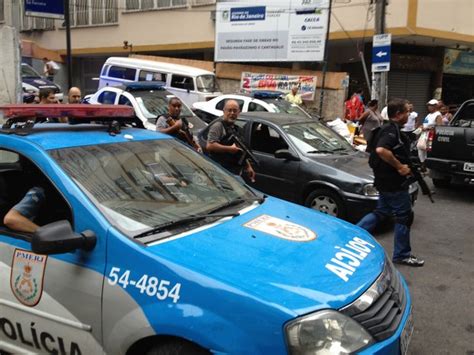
144,5
93,12
2,11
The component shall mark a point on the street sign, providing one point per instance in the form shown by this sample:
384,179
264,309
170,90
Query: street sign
381,48
45,8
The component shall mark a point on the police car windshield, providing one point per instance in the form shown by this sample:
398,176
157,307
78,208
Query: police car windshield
313,137
154,103
139,185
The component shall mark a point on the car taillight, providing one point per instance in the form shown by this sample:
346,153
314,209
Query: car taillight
429,141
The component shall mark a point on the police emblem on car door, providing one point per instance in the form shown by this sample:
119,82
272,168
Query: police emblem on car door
26,279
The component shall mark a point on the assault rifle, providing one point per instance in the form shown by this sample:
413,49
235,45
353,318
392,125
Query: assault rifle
246,153
415,167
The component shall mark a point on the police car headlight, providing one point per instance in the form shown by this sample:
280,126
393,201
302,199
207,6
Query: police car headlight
326,332
370,190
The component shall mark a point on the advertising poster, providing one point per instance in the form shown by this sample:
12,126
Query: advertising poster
273,30
279,82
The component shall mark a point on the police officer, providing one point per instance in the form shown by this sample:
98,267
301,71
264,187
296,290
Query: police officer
220,145
172,124
389,154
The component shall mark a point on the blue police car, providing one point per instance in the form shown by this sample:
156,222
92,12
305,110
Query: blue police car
143,246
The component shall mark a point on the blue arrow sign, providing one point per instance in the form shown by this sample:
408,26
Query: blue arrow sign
381,54
45,8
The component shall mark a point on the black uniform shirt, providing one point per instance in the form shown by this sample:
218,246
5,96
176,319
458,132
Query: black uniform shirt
387,177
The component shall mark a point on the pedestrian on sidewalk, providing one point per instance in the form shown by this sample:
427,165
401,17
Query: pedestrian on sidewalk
74,95
293,96
370,119
389,154
432,119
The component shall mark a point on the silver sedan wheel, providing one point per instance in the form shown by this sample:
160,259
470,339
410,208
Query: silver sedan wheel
325,204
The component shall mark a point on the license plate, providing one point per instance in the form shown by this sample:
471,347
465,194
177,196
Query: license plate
468,166
407,332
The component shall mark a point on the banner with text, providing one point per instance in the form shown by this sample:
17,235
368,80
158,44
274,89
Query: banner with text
279,82
275,30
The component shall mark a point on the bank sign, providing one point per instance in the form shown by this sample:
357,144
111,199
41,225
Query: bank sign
273,30
45,8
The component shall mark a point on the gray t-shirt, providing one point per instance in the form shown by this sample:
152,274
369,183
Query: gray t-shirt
162,123
216,132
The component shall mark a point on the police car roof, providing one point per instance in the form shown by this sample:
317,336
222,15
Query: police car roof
59,135
276,118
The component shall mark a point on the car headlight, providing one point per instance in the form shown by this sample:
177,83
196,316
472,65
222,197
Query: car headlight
370,190
326,332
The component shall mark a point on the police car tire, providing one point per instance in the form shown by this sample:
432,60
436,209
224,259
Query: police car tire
177,347
330,195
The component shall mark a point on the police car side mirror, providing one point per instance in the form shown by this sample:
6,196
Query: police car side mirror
285,154
58,237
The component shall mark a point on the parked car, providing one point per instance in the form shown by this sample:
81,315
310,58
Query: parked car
258,101
32,82
146,246
190,84
451,149
149,100
304,161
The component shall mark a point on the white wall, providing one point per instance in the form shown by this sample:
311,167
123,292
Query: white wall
10,82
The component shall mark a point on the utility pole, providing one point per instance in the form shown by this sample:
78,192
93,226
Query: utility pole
325,62
379,79
67,22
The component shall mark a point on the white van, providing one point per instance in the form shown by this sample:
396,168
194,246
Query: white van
190,84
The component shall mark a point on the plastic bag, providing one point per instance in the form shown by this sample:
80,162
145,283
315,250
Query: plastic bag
421,144
340,127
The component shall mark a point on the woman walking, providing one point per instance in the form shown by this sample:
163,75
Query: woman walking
370,119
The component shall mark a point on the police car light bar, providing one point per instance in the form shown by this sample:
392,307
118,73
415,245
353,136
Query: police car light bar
22,112
267,94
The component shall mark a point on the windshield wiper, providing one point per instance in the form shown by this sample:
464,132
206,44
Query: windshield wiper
211,214
177,222
236,202
319,151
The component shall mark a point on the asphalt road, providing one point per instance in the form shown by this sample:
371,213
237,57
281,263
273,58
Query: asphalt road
443,289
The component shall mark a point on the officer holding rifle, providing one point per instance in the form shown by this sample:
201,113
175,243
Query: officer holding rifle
390,161
172,124
225,146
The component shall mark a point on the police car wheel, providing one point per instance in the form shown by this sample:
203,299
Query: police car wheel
326,201
177,347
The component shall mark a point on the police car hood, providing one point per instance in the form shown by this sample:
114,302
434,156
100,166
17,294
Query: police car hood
281,254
